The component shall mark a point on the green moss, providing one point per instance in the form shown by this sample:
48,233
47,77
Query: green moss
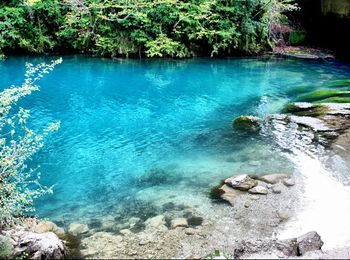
339,83
322,94
246,123
335,100
314,110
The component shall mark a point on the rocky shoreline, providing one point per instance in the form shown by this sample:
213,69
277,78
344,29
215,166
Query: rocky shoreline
260,207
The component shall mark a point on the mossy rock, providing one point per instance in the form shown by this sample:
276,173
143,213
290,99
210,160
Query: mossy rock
339,83
322,94
306,109
335,100
246,123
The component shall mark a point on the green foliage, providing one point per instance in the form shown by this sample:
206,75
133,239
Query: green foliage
18,184
219,254
297,37
339,83
161,28
6,248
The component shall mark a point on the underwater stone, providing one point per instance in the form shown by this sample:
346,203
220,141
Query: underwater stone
195,221
246,123
78,229
168,206
125,232
155,221
179,222
241,182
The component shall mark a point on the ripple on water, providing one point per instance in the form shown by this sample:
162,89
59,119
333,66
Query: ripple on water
121,119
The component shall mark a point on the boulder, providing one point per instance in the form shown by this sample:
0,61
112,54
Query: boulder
288,247
78,229
258,190
311,241
155,221
40,245
179,222
241,182
273,178
229,194
246,123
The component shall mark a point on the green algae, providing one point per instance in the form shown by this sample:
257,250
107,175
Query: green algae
339,83
334,100
300,90
246,123
322,94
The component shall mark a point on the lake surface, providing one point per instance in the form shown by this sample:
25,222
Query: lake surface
138,135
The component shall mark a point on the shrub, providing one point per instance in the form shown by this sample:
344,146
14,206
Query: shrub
19,185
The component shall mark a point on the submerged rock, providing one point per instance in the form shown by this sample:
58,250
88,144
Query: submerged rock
125,232
311,241
78,229
258,190
155,221
241,182
246,123
179,222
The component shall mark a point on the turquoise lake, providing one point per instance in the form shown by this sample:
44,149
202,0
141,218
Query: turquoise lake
139,134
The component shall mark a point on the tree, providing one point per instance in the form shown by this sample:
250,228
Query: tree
19,185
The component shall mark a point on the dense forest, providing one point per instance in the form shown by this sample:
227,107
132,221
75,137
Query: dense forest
174,28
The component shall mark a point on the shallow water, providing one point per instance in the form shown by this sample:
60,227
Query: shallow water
138,134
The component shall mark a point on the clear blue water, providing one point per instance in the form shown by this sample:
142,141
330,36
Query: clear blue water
153,131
